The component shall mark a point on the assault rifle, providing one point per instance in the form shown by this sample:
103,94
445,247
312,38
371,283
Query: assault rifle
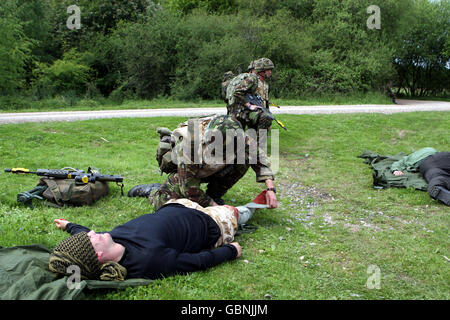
69,173
256,100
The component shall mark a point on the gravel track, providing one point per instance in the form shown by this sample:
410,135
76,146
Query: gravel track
403,106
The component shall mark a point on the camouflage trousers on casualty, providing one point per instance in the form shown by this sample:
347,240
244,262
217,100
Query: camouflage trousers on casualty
223,216
217,186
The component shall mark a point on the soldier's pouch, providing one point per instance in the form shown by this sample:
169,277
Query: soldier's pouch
62,192
164,155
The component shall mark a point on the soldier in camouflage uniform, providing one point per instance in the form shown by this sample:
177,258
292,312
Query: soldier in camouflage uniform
253,116
203,159
263,68
251,83
389,93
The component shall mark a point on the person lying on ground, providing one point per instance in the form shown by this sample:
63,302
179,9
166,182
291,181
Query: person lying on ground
179,238
434,167
412,161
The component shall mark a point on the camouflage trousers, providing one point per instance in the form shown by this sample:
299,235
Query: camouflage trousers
217,186
223,216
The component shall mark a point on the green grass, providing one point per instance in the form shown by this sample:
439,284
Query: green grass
61,103
331,224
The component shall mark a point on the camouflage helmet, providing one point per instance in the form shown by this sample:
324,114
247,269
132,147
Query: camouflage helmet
262,64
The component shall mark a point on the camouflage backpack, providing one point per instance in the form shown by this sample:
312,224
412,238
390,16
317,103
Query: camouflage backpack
226,79
65,192
164,151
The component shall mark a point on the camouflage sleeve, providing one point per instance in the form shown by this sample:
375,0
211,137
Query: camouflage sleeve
258,160
263,171
240,86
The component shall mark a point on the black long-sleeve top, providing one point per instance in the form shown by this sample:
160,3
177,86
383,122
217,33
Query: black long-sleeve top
174,239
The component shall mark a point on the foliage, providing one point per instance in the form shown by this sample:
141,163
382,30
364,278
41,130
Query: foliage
67,75
211,6
422,59
181,48
14,48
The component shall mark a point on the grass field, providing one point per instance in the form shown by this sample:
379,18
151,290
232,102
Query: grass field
62,103
330,235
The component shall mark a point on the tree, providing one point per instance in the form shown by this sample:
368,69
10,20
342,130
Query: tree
14,48
422,58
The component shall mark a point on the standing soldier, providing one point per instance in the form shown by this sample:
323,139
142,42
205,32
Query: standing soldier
263,68
390,94
251,83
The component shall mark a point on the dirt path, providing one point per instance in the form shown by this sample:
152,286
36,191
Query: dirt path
403,106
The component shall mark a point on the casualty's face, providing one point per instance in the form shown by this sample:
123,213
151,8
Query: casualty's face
100,241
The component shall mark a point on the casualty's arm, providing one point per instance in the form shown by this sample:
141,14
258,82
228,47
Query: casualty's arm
176,262
61,223
399,165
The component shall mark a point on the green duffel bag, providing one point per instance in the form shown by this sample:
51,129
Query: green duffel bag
64,192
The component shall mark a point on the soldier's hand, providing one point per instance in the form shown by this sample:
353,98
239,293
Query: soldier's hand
252,106
271,199
398,173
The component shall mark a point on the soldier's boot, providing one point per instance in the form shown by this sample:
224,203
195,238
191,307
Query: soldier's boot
219,201
440,193
143,190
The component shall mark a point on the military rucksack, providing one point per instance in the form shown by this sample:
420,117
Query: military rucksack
226,79
164,151
65,192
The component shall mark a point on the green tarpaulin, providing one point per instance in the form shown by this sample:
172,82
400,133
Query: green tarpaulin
382,176
24,275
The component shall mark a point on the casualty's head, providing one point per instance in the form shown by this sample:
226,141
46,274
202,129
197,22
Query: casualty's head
83,250
76,250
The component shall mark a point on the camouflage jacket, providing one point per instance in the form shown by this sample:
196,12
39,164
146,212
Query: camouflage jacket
263,91
239,86
195,164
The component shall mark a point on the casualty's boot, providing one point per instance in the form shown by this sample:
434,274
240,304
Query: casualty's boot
143,190
440,193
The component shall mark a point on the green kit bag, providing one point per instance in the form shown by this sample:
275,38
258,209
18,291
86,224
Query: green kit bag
66,192
69,192
164,151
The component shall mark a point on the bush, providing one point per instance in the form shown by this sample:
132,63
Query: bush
14,47
63,76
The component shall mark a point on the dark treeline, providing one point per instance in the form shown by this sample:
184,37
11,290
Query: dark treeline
181,48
